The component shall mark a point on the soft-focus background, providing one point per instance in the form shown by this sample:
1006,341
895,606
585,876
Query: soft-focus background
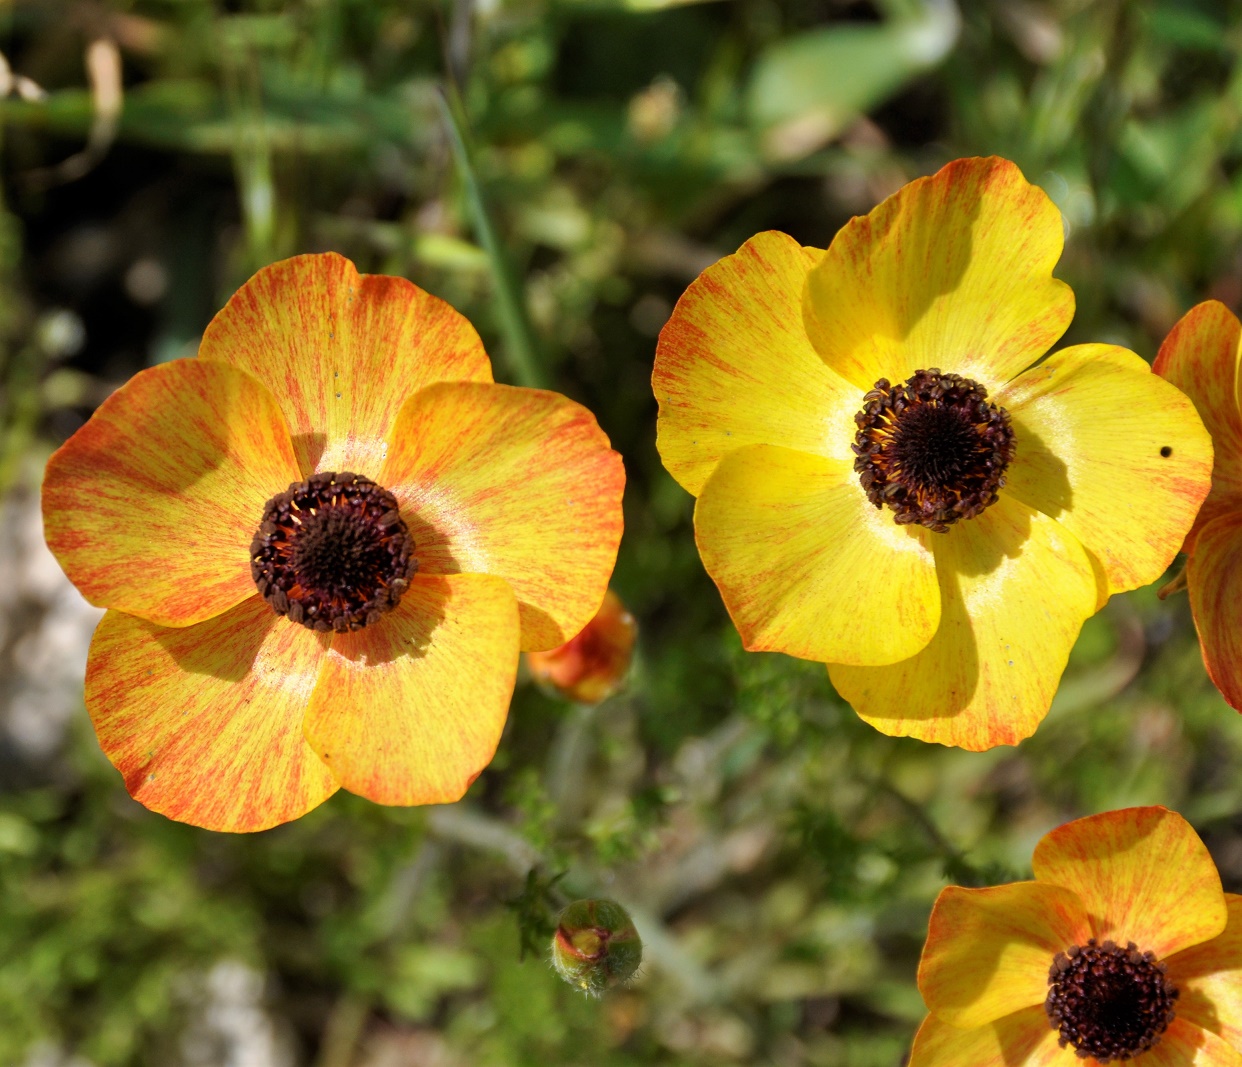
779,856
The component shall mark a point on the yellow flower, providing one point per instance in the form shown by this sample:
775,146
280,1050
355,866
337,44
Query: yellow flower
1200,356
1124,947
323,543
885,487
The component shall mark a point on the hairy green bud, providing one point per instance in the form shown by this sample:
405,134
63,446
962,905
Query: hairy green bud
595,946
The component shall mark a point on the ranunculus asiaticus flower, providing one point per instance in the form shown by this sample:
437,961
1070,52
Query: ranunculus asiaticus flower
1124,947
887,485
590,667
323,543
1200,356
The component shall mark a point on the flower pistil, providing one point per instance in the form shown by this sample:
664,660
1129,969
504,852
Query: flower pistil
932,448
332,552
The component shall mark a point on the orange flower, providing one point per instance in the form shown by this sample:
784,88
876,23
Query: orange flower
1200,357
1124,947
590,667
338,455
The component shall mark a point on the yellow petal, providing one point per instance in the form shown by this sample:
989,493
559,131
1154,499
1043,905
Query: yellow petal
410,709
734,366
519,483
1214,576
151,506
1015,589
1200,357
1143,875
808,566
205,721
1114,453
1023,1039
1208,979
952,271
1184,1044
988,950
342,351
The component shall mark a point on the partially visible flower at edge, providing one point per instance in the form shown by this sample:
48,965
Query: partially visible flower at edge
337,455
590,667
1200,356
1124,947
887,485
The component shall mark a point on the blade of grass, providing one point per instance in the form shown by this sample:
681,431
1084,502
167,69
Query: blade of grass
521,345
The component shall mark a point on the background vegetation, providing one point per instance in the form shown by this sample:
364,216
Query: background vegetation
779,856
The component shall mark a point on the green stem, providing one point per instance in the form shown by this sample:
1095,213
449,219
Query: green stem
521,345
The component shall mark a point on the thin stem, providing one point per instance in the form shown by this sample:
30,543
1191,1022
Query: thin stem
521,344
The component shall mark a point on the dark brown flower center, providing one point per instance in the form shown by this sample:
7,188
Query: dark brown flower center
932,448
332,552
1109,1002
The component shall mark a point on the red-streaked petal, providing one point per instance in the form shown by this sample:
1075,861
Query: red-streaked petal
1208,979
1214,578
952,272
1023,1039
205,721
1143,875
410,709
342,351
1111,451
988,950
1200,357
151,506
808,566
519,483
734,366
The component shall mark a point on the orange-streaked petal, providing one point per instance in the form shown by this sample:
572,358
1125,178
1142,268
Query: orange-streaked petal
1208,979
1015,589
1200,357
735,367
953,271
410,710
808,566
205,721
1184,1044
988,950
1143,875
519,483
1214,577
151,506
342,351
1114,453
1023,1039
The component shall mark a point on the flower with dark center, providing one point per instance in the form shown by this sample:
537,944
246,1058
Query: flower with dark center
1124,948
894,477
1200,356
1109,1002
932,449
323,544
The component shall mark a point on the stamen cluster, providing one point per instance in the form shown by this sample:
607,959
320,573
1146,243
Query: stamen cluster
332,552
1108,1002
932,448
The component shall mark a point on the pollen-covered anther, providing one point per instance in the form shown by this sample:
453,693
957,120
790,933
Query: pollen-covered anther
932,448
332,552
1108,1002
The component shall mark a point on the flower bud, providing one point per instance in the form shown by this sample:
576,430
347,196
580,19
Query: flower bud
595,946
590,667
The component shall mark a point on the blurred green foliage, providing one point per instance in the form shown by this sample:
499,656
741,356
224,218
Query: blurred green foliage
779,856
